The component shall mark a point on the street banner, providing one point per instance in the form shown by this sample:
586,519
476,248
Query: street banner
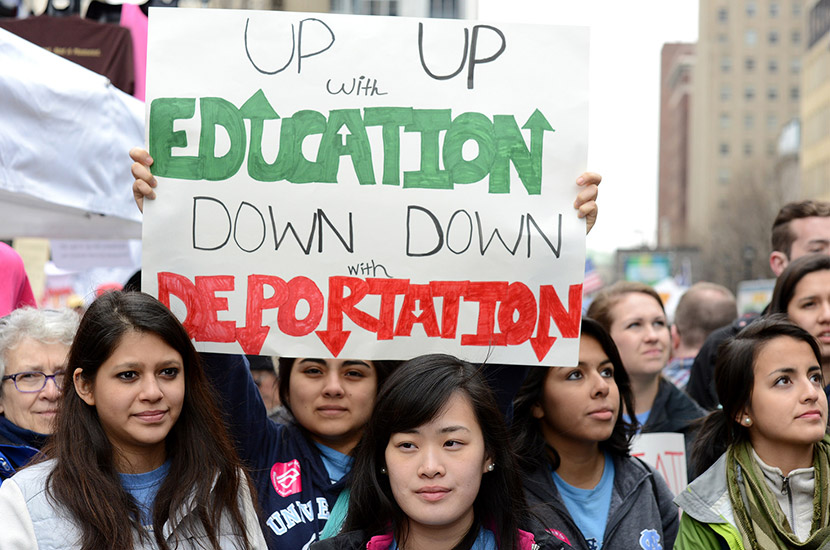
367,187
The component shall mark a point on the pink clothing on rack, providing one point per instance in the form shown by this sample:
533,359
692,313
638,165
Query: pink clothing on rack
134,19
15,290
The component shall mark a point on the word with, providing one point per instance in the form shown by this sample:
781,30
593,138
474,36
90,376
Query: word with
369,88
508,313
283,520
500,143
296,45
368,269
472,48
467,228
216,214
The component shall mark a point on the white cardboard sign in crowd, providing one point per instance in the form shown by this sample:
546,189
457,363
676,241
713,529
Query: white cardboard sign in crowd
666,453
369,187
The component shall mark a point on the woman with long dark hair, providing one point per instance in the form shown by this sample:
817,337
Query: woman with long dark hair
139,457
579,478
765,455
434,468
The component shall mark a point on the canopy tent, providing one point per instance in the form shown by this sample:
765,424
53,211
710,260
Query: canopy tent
64,136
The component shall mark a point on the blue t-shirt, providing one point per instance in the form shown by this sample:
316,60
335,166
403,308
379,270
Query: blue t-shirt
144,488
589,507
485,540
337,464
642,418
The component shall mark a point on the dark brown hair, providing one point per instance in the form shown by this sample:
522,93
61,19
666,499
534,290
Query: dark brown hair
203,464
796,270
782,237
734,380
416,393
529,443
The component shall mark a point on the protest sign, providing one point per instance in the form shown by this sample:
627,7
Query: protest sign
666,453
369,187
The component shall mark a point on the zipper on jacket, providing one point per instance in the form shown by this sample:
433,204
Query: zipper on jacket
785,490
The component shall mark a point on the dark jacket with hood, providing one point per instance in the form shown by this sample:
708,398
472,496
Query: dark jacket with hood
641,515
294,492
17,447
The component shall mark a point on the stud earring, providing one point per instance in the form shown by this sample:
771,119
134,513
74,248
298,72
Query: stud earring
491,467
748,421
383,470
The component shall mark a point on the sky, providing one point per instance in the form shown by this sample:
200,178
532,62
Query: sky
626,39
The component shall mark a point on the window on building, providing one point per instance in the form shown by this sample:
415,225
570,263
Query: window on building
725,63
749,93
751,37
749,121
723,176
724,149
772,37
723,15
444,8
796,37
773,9
772,123
748,149
796,8
771,148
751,8
723,38
772,93
795,93
795,65
772,65
724,121
749,64
725,92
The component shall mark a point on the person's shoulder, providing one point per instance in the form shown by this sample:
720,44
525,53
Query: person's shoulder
351,540
679,404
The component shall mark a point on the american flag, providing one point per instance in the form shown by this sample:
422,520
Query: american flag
593,281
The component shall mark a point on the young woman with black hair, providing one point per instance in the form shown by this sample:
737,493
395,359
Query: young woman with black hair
579,478
139,457
435,467
765,455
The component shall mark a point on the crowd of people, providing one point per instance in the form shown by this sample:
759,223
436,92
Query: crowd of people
116,433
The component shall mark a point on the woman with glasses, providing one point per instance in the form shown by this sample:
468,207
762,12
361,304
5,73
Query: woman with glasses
33,347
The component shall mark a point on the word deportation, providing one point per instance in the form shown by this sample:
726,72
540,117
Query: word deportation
508,313
343,133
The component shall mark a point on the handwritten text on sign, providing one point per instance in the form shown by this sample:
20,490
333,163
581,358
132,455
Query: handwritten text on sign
367,187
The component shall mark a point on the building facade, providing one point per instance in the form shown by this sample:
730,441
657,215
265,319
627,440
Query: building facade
815,104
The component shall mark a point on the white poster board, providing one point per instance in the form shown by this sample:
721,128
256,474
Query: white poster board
368,187
666,453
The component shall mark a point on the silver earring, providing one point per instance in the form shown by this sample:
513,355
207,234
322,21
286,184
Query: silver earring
383,470
491,467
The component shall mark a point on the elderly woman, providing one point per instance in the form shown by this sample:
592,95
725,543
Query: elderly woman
33,349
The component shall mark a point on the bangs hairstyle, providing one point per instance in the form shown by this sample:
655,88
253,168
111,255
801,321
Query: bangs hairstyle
48,326
415,394
607,298
203,464
734,380
784,290
529,443
285,364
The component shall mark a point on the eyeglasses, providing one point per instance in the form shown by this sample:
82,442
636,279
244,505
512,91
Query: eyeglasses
33,382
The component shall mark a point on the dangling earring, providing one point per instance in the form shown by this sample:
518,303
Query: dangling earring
747,421
491,467
383,470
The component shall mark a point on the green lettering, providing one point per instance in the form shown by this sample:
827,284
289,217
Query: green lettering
391,119
356,145
429,122
221,112
465,127
510,146
305,123
163,112
257,109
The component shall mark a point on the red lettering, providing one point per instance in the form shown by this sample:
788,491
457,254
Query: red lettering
301,288
388,289
253,334
212,329
422,294
519,300
451,292
488,295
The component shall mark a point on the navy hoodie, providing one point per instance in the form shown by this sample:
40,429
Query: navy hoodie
294,492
